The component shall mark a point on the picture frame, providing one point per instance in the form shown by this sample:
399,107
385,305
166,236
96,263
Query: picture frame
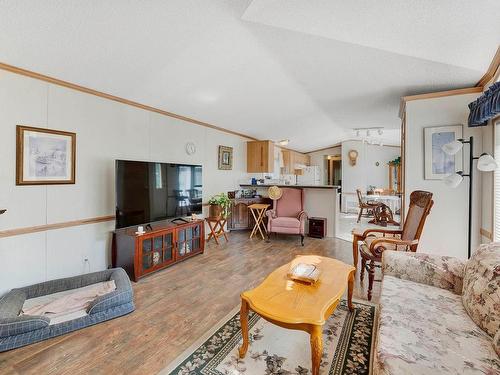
225,158
438,164
45,156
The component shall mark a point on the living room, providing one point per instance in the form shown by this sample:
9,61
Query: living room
171,170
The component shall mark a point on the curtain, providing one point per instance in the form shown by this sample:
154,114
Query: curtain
485,107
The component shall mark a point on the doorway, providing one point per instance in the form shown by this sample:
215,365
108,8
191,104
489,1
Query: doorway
334,170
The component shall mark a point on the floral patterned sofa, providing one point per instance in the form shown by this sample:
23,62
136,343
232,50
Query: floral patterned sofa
439,315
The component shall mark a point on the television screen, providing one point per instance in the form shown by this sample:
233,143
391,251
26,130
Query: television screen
148,191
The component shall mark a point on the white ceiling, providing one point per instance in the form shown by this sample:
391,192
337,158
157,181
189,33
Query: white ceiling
304,70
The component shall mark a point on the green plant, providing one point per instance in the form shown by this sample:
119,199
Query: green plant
222,200
396,161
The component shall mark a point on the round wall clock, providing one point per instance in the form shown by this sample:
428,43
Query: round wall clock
190,148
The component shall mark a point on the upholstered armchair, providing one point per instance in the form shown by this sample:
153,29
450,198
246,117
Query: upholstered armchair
287,215
371,243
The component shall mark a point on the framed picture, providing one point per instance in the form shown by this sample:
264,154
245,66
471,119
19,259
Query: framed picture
438,164
225,157
44,156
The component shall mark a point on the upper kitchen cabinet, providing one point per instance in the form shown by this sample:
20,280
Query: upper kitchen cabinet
294,161
260,157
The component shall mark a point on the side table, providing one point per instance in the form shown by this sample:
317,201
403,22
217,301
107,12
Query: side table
216,226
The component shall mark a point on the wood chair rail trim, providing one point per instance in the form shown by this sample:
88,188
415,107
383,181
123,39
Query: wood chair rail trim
486,233
53,226
73,86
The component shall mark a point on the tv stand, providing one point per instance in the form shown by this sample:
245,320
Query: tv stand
180,219
164,245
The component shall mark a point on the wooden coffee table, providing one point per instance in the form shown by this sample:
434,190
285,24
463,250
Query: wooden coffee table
295,305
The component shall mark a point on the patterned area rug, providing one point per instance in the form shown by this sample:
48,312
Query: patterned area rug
347,340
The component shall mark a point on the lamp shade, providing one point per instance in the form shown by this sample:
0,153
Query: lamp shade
453,180
486,163
453,147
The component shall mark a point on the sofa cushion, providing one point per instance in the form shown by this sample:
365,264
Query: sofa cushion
481,290
286,222
426,330
434,270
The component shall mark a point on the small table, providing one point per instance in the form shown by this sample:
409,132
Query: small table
216,226
295,305
258,211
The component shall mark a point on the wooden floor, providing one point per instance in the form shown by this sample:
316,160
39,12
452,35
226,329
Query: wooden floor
174,307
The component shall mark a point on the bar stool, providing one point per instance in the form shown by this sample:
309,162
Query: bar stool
258,211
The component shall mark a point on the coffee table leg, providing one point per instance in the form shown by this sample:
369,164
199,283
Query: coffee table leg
244,328
316,348
350,287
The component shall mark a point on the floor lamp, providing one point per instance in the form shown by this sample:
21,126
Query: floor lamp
485,163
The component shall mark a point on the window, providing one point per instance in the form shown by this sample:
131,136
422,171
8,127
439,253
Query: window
496,185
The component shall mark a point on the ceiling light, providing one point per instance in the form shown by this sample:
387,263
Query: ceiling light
380,132
486,163
453,180
452,148
284,142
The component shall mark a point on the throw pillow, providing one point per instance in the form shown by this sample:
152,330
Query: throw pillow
481,288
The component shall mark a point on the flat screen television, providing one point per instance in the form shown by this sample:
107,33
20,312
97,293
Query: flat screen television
147,191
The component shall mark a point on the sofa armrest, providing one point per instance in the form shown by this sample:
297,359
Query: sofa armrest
123,293
22,324
302,216
271,214
440,271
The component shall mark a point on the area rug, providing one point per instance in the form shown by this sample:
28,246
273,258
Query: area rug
347,340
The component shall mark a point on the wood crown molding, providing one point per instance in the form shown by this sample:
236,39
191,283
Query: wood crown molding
438,94
492,71
324,148
59,82
340,145
46,227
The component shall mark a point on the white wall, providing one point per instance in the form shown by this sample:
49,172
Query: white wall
366,172
445,231
318,159
487,202
106,131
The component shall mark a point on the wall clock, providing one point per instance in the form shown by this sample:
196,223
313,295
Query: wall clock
353,155
190,148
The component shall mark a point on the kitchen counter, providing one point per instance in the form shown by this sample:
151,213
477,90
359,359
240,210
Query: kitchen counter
319,201
250,186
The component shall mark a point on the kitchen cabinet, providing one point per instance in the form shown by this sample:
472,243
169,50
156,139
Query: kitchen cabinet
292,160
241,218
260,157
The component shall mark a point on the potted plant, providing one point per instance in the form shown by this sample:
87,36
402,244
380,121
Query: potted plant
219,206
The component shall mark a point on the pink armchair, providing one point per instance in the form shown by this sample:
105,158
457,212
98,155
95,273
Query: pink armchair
287,215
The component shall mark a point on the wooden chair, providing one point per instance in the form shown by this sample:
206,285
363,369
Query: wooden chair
375,241
369,206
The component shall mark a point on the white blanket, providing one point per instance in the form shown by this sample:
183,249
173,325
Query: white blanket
69,304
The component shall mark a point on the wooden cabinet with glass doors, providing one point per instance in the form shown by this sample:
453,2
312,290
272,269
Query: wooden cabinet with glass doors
162,245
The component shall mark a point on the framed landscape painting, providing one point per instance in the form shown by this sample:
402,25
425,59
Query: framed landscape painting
44,156
438,164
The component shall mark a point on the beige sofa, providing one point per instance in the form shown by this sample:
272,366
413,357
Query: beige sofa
439,315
